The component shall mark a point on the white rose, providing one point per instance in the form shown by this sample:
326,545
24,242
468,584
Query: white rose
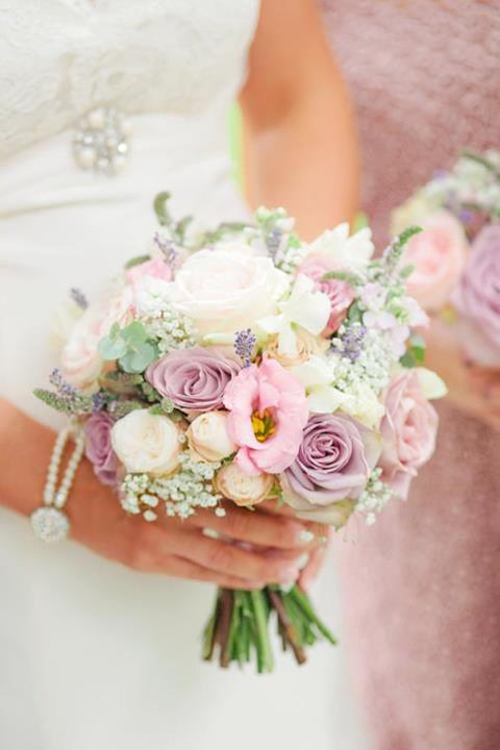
241,488
80,359
147,442
209,438
223,292
336,249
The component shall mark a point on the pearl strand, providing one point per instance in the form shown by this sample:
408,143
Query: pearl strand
49,522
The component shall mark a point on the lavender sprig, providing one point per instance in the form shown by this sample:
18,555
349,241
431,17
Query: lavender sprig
78,298
61,385
167,247
244,345
350,343
67,398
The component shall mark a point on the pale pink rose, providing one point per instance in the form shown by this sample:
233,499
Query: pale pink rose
267,413
408,432
155,268
438,254
81,362
340,293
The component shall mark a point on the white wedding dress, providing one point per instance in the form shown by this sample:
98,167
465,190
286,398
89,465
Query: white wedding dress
94,656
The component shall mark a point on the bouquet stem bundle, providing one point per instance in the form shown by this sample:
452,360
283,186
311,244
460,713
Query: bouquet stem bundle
238,628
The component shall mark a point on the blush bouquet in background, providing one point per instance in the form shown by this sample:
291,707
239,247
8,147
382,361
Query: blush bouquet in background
456,258
242,365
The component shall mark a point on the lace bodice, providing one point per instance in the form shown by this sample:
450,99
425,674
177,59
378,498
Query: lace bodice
425,78
60,58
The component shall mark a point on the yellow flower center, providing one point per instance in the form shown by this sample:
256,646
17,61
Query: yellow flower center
263,425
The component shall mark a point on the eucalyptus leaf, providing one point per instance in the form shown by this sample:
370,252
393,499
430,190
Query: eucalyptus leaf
138,359
112,348
134,334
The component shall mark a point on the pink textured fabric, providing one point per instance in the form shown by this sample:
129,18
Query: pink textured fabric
422,588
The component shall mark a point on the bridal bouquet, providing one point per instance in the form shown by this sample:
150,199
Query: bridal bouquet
456,258
242,365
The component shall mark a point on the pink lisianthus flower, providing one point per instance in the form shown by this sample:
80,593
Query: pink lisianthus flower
155,268
267,413
340,293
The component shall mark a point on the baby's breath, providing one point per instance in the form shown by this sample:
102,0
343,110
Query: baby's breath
374,498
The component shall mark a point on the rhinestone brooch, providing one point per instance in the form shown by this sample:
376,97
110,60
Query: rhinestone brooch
50,524
101,142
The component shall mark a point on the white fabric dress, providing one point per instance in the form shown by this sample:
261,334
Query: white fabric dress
94,656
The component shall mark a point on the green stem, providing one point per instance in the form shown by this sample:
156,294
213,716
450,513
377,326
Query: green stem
288,631
301,598
265,654
210,630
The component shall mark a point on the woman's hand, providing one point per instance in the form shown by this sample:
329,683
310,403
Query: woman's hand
244,549
257,547
473,389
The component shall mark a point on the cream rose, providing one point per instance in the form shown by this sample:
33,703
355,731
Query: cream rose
224,292
147,443
209,438
307,346
80,359
242,488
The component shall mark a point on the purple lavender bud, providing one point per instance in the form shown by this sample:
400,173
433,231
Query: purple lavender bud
78,298
167,247
244,345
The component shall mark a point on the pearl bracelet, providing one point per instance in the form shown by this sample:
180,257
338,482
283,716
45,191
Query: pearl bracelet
49,522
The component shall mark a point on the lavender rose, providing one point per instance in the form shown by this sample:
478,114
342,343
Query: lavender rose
98,448
193,379
478,298
332,467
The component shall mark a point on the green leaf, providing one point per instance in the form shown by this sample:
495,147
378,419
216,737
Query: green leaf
156,410
294,241
405,236
350,278
52,400
137,360
114,331
355,314
408,360
160,208
137,261
134,334
415,355
112,348
407,271
181,227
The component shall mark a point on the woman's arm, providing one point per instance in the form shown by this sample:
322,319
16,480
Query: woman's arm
301,148
168,546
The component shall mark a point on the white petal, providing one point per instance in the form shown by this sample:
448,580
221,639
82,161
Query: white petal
314,313
313,372
272,324
432,385
287,342
324,399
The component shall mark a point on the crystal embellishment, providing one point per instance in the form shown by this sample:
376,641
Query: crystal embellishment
50,524
101,142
